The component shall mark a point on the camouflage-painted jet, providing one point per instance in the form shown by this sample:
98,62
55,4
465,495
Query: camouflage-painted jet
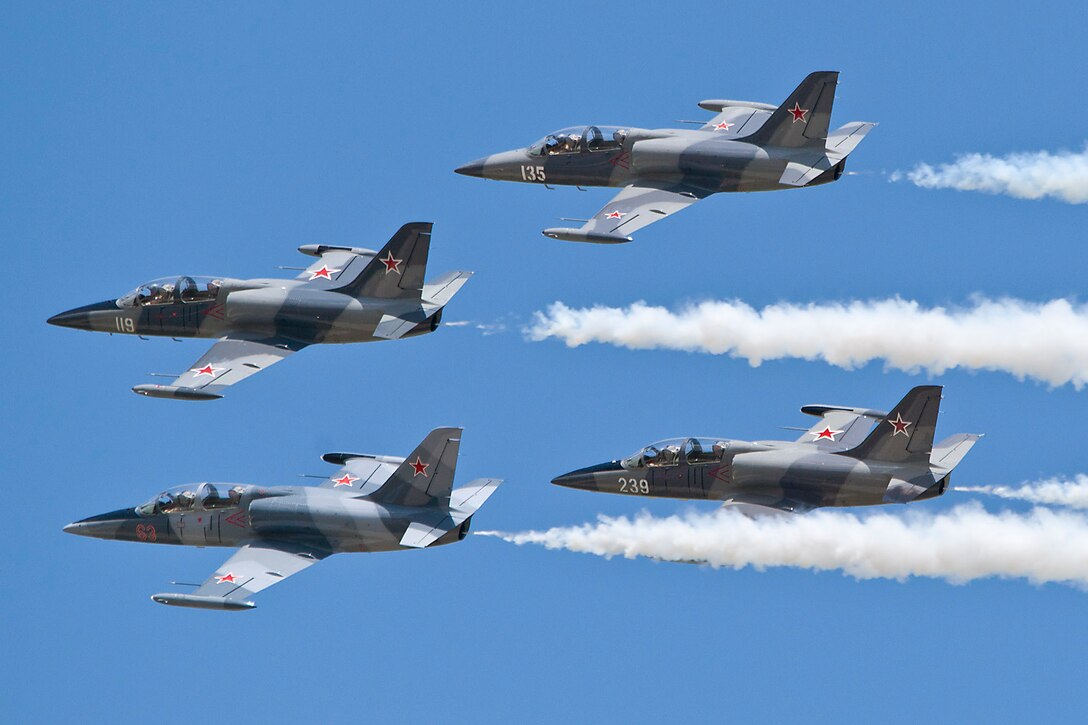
373,503
842,460
748,146
348,295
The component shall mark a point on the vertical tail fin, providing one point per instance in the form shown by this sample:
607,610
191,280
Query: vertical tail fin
905,435
425,478
396,271
805,116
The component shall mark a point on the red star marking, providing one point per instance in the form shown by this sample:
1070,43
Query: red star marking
798,112
391,265
826,433
228,577
723,126
900,425
323,273
345,480
206,370
420,466
614,215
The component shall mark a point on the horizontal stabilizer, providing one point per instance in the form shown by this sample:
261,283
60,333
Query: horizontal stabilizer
466,500
900,491
798,174
202,602
392,328
842,141
420,535
948,453
444,288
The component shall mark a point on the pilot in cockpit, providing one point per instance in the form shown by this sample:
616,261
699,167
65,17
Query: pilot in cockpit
185,500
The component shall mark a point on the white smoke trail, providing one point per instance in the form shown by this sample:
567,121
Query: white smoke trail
1046,341
1030,175
961,545
1052,491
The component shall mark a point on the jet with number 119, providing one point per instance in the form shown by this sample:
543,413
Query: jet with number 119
748,146
348,295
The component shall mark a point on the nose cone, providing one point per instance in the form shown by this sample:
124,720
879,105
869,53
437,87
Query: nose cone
473,168
103,526
586,478
80,317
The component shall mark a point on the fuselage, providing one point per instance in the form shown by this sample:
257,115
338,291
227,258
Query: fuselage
263,308
224,514
770,471
670,157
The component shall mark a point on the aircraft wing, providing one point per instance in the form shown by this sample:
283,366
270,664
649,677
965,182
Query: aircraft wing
837,430
734,121
360,472
334,266
256,566
755,507
228,361
637,206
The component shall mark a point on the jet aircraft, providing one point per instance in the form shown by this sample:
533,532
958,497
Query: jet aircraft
842,460
372,503
349,294
747,146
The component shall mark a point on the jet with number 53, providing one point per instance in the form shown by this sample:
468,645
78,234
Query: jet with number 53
842,460
748,146
348,295
372,503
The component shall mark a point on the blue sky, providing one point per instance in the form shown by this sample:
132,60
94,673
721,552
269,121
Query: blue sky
142,140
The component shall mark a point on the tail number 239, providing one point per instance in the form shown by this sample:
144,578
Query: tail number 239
634,485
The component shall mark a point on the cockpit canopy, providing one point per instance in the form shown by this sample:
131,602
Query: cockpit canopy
579,138
194,497
674,451
172,290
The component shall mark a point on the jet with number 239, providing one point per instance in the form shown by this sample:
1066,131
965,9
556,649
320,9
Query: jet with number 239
372,503
348,295
748,146
842,460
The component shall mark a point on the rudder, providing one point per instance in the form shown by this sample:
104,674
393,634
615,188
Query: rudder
905,435
803,118
425,478
397,271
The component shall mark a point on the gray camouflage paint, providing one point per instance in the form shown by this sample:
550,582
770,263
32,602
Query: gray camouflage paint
896,462
746,147
343,297
372,503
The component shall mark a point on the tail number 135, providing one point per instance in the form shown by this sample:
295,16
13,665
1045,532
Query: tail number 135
532,173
